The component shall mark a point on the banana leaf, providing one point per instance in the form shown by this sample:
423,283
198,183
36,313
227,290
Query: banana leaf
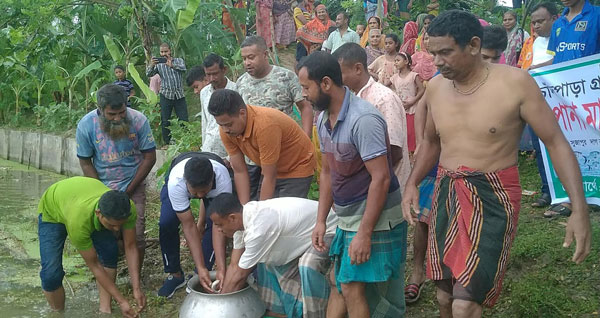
185,18
113,49
86,70
151,97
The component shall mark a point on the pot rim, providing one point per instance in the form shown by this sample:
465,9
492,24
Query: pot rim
194,280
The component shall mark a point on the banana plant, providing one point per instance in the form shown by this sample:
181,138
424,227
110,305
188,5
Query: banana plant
73,79
180,14
115,47
17,87
151,97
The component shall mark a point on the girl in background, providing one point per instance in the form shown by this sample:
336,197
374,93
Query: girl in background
409,86
383,68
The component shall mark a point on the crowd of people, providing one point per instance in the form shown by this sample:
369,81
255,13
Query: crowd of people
422,131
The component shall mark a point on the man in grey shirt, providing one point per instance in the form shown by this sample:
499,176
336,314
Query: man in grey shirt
170,69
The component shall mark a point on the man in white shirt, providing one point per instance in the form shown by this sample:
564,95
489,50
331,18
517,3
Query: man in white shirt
192,175
342,35
542,18
215,69
275,237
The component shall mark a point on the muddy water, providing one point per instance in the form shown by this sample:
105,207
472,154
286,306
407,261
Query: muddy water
20,287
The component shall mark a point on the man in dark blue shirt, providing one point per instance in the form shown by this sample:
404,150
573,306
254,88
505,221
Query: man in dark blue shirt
576,33
125,83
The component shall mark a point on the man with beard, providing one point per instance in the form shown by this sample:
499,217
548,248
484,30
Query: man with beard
474,122
357,177
268,137
116,146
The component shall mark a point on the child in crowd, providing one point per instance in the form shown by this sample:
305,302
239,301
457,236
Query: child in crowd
125,83
409,86
383,68
360,29
374,49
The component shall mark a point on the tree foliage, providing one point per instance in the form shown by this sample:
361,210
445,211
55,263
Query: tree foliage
57,53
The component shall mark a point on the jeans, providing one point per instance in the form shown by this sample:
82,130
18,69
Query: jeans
254,173
540,162
166,108
169,235
300,51
291,187
52,241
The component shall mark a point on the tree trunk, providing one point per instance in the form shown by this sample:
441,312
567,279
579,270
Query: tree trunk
142,26
87,85
16,102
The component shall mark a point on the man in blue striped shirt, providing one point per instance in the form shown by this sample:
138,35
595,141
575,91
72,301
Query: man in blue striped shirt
171,70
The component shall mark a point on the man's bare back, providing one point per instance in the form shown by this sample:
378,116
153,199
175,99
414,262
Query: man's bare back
481,130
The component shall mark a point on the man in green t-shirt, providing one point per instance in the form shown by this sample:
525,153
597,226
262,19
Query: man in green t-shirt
88,212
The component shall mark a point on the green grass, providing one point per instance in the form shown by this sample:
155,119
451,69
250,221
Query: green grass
541,280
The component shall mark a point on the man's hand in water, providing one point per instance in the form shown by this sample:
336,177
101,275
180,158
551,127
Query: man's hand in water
204,278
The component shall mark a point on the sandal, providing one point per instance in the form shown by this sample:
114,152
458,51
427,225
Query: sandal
556,210
542,201
412,292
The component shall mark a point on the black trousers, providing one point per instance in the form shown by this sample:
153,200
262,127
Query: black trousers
166,109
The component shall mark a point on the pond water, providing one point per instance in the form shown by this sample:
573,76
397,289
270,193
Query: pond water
20,287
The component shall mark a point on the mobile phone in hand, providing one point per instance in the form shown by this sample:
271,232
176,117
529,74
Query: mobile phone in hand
161,59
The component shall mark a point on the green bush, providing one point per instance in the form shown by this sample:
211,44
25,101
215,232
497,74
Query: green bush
58,117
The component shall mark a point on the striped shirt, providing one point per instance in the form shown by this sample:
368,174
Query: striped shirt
171,78
359,135
127,85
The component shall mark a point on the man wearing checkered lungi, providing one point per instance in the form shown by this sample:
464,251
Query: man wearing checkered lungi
274,237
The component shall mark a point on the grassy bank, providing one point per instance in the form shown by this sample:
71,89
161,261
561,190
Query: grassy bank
541,280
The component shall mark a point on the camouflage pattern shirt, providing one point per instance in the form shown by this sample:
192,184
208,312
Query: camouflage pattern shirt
280,89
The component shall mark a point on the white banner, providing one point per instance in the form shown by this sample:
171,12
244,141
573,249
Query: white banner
572,90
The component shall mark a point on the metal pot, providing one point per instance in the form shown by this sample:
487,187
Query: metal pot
244,303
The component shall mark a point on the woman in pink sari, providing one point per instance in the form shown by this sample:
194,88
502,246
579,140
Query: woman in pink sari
263,20
410,34
423,61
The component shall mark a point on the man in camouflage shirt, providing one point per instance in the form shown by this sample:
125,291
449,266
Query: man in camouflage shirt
271,86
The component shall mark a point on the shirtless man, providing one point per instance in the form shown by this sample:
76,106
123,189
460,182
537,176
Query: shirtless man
475,119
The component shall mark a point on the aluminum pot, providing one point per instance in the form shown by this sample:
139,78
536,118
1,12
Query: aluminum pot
245,303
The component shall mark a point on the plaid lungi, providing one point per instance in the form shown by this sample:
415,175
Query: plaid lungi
472,226
299,288
383,272
426,189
